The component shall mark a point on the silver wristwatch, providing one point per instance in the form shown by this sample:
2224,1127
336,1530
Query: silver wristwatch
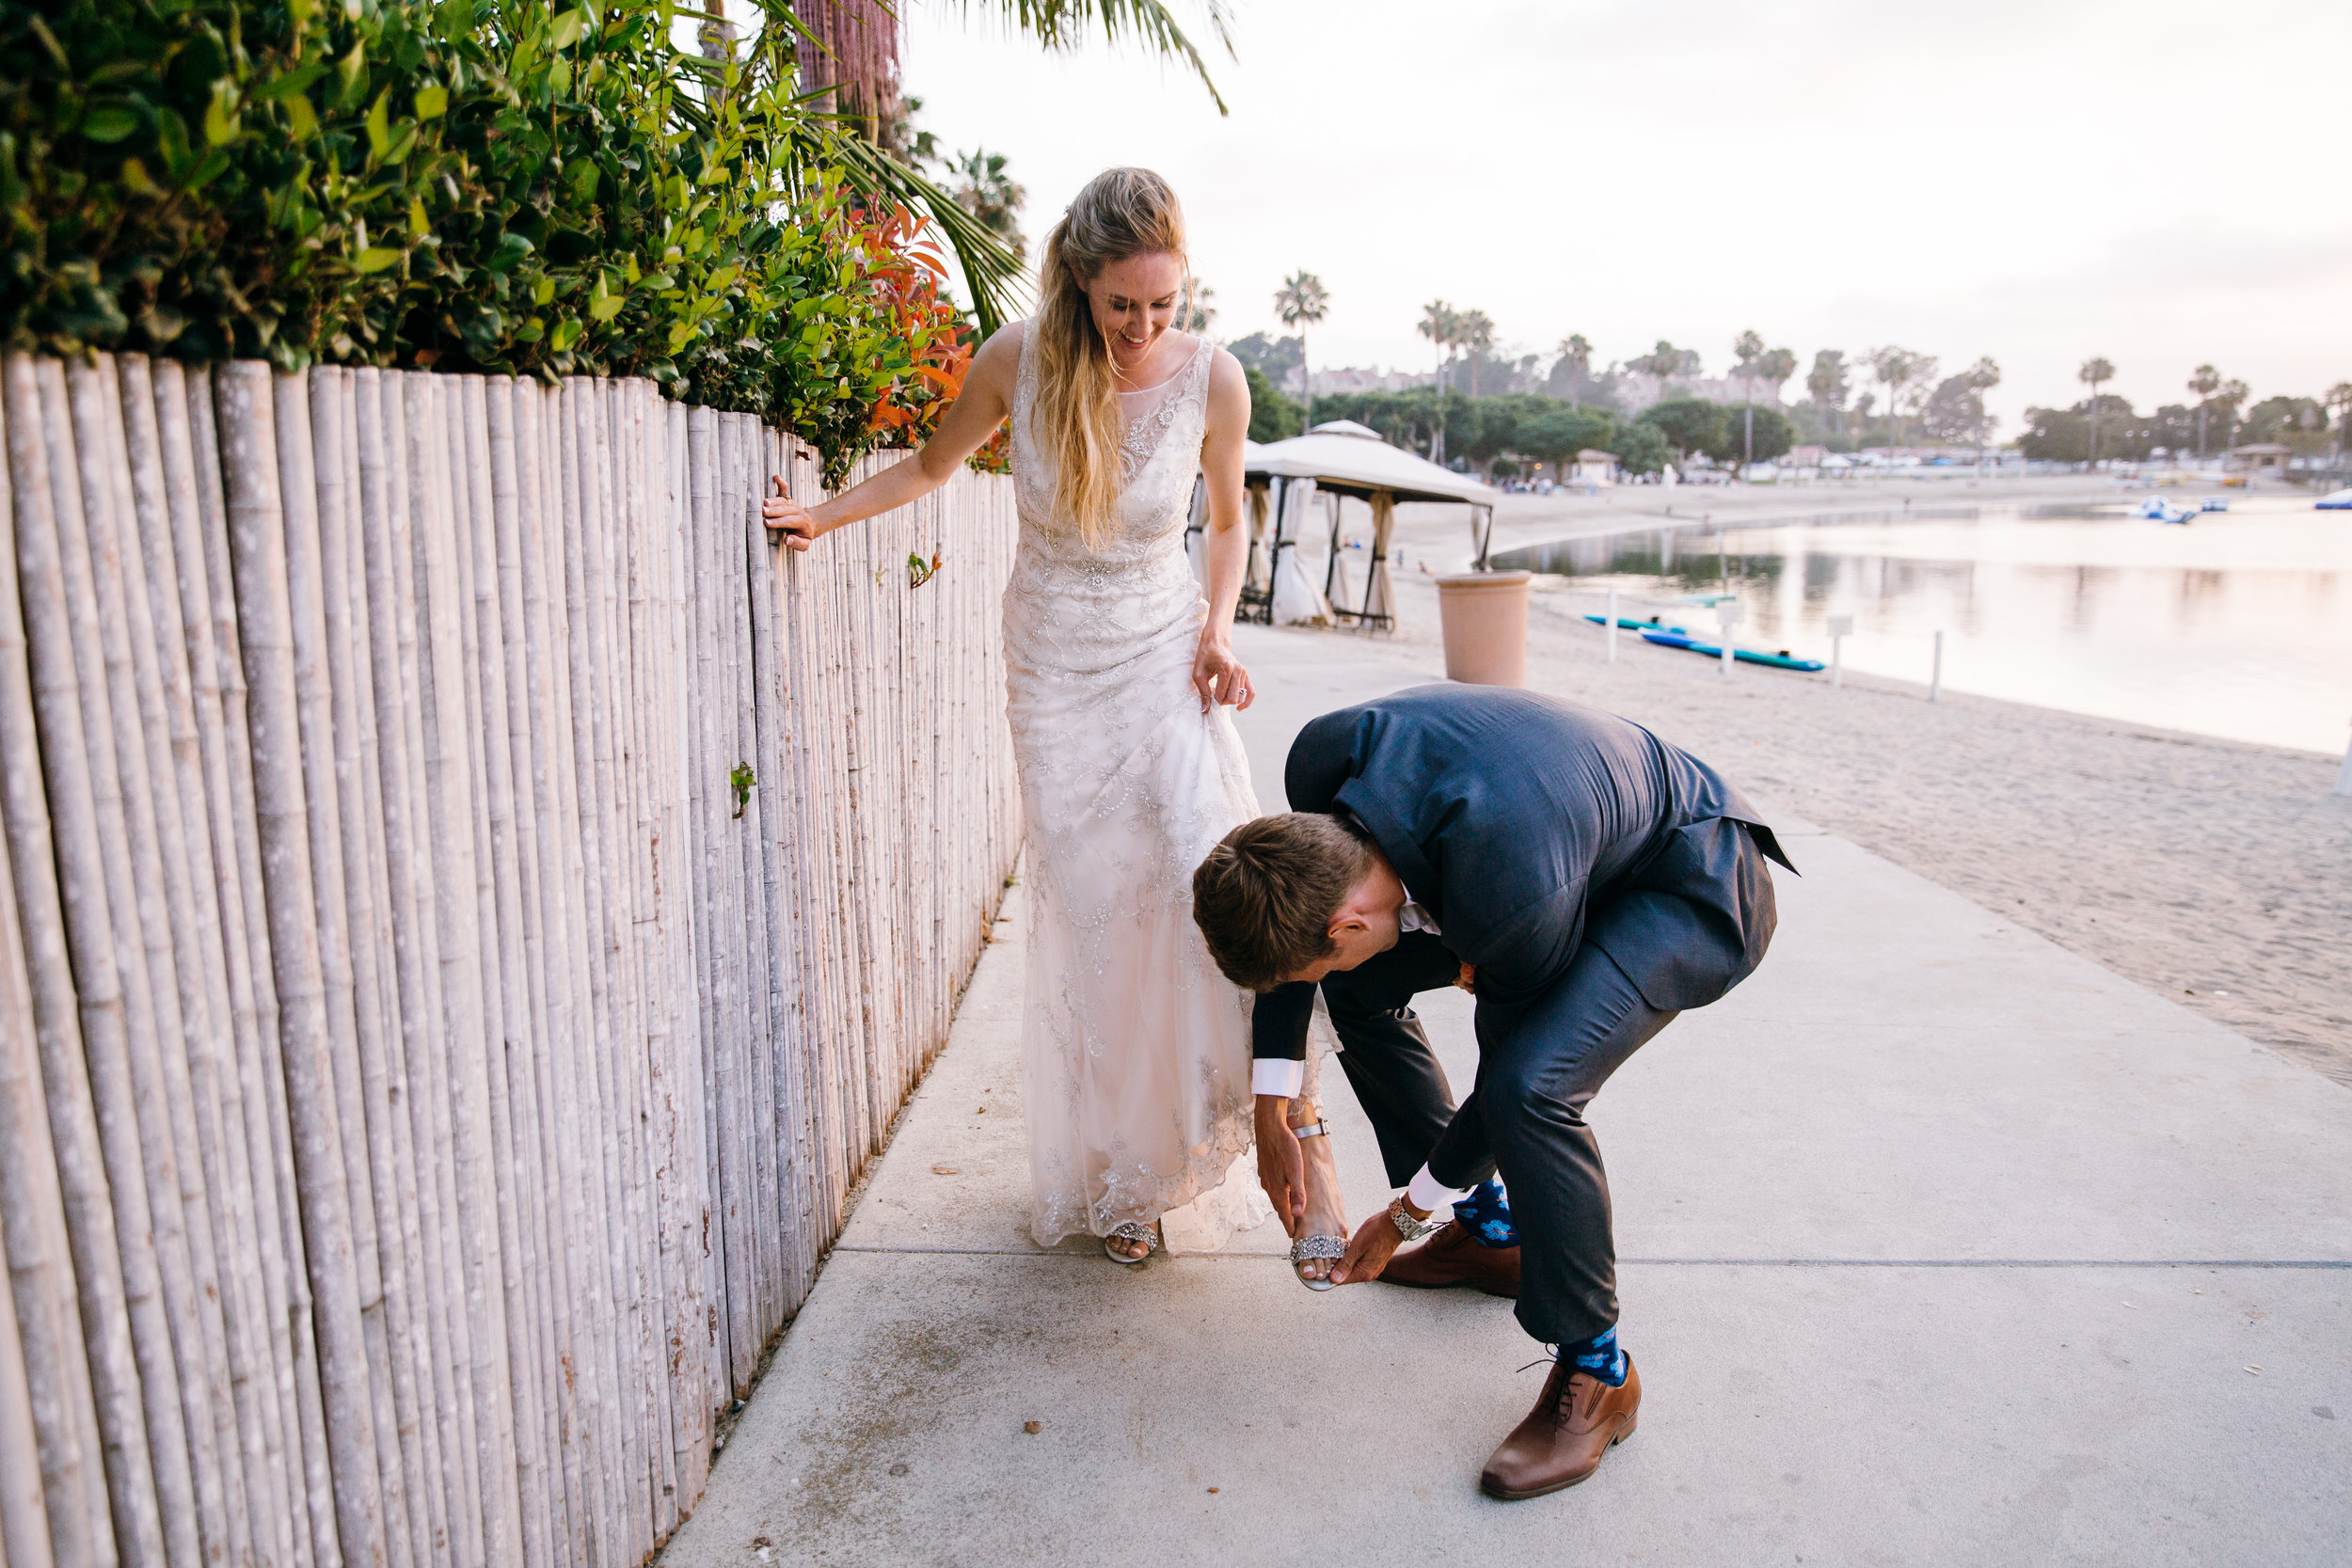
1406,1225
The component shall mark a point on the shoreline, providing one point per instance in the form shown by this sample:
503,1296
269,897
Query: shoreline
1434,539
2216,872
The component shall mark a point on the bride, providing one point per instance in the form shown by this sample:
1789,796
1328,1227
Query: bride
1137,1055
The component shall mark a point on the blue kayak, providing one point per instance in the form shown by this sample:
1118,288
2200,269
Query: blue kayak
1625,624
1775,661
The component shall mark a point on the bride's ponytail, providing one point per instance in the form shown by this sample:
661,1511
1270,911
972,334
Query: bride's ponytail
1073,412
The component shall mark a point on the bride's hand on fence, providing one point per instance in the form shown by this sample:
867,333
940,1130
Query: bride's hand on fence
1218,676
790,518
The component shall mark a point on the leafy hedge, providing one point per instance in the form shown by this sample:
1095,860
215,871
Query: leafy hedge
526,188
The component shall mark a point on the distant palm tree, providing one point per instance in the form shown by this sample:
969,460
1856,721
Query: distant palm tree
1199,308
1746,350
1441,324
1302,302
983,189
1577,355
1477,335
2228,402
2204,383
1666,362
1827,383
1892,368
1981,378
2094,373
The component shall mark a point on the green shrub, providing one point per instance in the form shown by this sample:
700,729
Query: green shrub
529,189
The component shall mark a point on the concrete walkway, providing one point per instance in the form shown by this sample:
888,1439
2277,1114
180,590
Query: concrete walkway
1941,1245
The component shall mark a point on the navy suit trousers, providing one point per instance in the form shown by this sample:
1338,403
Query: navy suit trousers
1525,1118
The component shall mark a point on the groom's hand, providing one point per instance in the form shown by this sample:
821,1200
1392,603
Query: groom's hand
1281,1164
1375,1241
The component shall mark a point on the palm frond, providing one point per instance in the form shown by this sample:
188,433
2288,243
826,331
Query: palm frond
992,274
1063,25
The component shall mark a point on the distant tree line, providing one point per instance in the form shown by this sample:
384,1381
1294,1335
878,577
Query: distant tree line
2105,426
1506,416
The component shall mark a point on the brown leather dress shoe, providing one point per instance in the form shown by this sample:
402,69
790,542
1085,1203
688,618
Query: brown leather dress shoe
1454,1256
1578,1418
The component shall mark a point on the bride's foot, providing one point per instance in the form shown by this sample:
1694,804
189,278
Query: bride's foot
1131,1242
1322,1232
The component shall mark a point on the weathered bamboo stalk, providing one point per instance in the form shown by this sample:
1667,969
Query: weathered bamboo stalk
261,1368
391,654
367,1104
499,923
39,1170
312,505
497,595
636,1349
23,1519
574,1044
486,1410
294,1342
218,1214
138,1412
539,571
264,616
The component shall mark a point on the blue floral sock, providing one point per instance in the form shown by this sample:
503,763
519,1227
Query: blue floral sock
1486,1214
1599,1356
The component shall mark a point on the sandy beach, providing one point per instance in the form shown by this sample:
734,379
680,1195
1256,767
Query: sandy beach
2211,871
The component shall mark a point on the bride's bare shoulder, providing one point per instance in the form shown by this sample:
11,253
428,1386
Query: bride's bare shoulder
998,362
1004,345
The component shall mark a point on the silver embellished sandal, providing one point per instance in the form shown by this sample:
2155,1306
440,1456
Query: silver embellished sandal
1131,1231
1324,1249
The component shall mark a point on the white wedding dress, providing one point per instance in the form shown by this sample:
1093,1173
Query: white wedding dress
1136,1050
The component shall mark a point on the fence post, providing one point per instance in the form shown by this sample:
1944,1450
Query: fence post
1609,636
2343,773
1840,627
1935,674
1730,614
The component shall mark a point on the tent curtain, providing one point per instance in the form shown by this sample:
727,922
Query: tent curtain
1380,599
1299,561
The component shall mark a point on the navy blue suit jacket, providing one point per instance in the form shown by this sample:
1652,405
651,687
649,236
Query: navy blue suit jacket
1511,817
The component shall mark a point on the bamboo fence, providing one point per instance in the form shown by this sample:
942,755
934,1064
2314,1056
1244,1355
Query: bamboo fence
472,906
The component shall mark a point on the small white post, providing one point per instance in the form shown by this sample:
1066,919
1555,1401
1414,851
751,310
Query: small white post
1728,613
1935,675
1840,627
2344,774
1610,637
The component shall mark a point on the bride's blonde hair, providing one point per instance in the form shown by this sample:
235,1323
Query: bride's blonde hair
1074,411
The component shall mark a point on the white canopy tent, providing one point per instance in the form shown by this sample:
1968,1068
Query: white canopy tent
1345,458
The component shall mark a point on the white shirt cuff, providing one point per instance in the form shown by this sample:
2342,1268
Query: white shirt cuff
1280,1075
1426,1196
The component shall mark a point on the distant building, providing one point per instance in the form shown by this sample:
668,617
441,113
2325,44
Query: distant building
2254,459
1594,467
1349,379
1638,389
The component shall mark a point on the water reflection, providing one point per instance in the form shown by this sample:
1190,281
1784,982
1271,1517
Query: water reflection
2239,625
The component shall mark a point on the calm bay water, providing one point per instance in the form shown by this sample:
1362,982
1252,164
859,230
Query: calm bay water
2237,624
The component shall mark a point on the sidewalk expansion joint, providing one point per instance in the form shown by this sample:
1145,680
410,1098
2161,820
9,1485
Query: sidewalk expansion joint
1706,1262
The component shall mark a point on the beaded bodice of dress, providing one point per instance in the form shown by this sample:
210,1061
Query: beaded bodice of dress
1159,452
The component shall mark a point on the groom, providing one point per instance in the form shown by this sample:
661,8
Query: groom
1587,881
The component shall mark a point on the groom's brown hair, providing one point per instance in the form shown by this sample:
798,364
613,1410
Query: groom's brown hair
1264,896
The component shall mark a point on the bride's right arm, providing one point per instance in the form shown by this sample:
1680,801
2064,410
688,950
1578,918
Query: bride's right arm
970,421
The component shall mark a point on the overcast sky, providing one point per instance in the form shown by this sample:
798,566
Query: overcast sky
2039,181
